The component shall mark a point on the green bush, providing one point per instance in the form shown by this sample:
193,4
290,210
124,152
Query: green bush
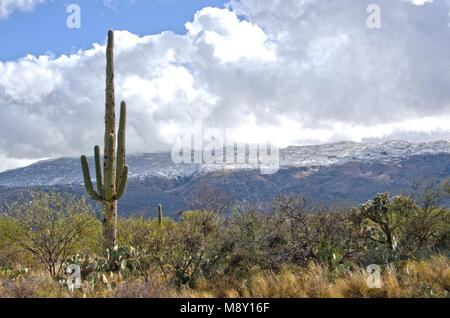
205,244
49,225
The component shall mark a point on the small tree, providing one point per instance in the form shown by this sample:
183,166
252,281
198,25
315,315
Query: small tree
429,194
405,225
145,239
379,211
185,249
49,225
445,184
209,198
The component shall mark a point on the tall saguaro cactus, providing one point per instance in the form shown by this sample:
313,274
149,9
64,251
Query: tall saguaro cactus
112,182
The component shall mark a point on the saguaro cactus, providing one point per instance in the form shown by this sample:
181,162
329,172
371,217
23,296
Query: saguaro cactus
111,183
160,214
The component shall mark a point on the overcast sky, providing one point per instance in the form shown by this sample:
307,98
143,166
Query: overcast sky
284,71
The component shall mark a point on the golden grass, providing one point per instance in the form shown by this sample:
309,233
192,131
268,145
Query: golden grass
430,278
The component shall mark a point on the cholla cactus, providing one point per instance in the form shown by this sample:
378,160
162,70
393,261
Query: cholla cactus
112,185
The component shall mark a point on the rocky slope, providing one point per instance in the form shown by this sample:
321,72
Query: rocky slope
347,170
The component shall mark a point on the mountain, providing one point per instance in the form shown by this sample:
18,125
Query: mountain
345,171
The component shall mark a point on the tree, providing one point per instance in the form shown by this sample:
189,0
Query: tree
50,225
406,224
429,194
209,198
445,184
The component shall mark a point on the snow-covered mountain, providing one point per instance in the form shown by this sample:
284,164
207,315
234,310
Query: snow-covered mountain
67,171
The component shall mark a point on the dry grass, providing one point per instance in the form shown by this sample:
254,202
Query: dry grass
416,279
155,288
291,282
429,278
35,285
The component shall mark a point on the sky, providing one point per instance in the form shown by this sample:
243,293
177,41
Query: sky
288,72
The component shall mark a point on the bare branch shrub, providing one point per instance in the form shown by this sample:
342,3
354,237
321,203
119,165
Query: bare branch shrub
208,198
49,225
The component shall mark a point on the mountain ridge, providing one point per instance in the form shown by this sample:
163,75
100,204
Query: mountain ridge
343,171
146,165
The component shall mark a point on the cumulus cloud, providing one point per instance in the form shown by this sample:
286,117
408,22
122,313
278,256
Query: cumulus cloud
289,72
231,39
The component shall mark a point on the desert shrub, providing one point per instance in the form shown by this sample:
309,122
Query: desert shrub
148,241
49,225
398,228
179,251
296,233
335,241
252,239
187,246
317,232
130,231
91,242
208,198
433,217
151,288
445,184
10,254
32,285
298,249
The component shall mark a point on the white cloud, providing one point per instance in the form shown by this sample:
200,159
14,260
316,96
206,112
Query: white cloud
292,72
13,163
9,6
30,80
419,2
231,39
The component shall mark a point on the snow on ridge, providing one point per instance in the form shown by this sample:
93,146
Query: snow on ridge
67,171
391,151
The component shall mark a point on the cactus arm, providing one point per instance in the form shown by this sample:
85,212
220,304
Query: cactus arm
98,170
121,144
123,183
109,190
87,180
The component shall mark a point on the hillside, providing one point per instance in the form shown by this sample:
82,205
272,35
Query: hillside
345,171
